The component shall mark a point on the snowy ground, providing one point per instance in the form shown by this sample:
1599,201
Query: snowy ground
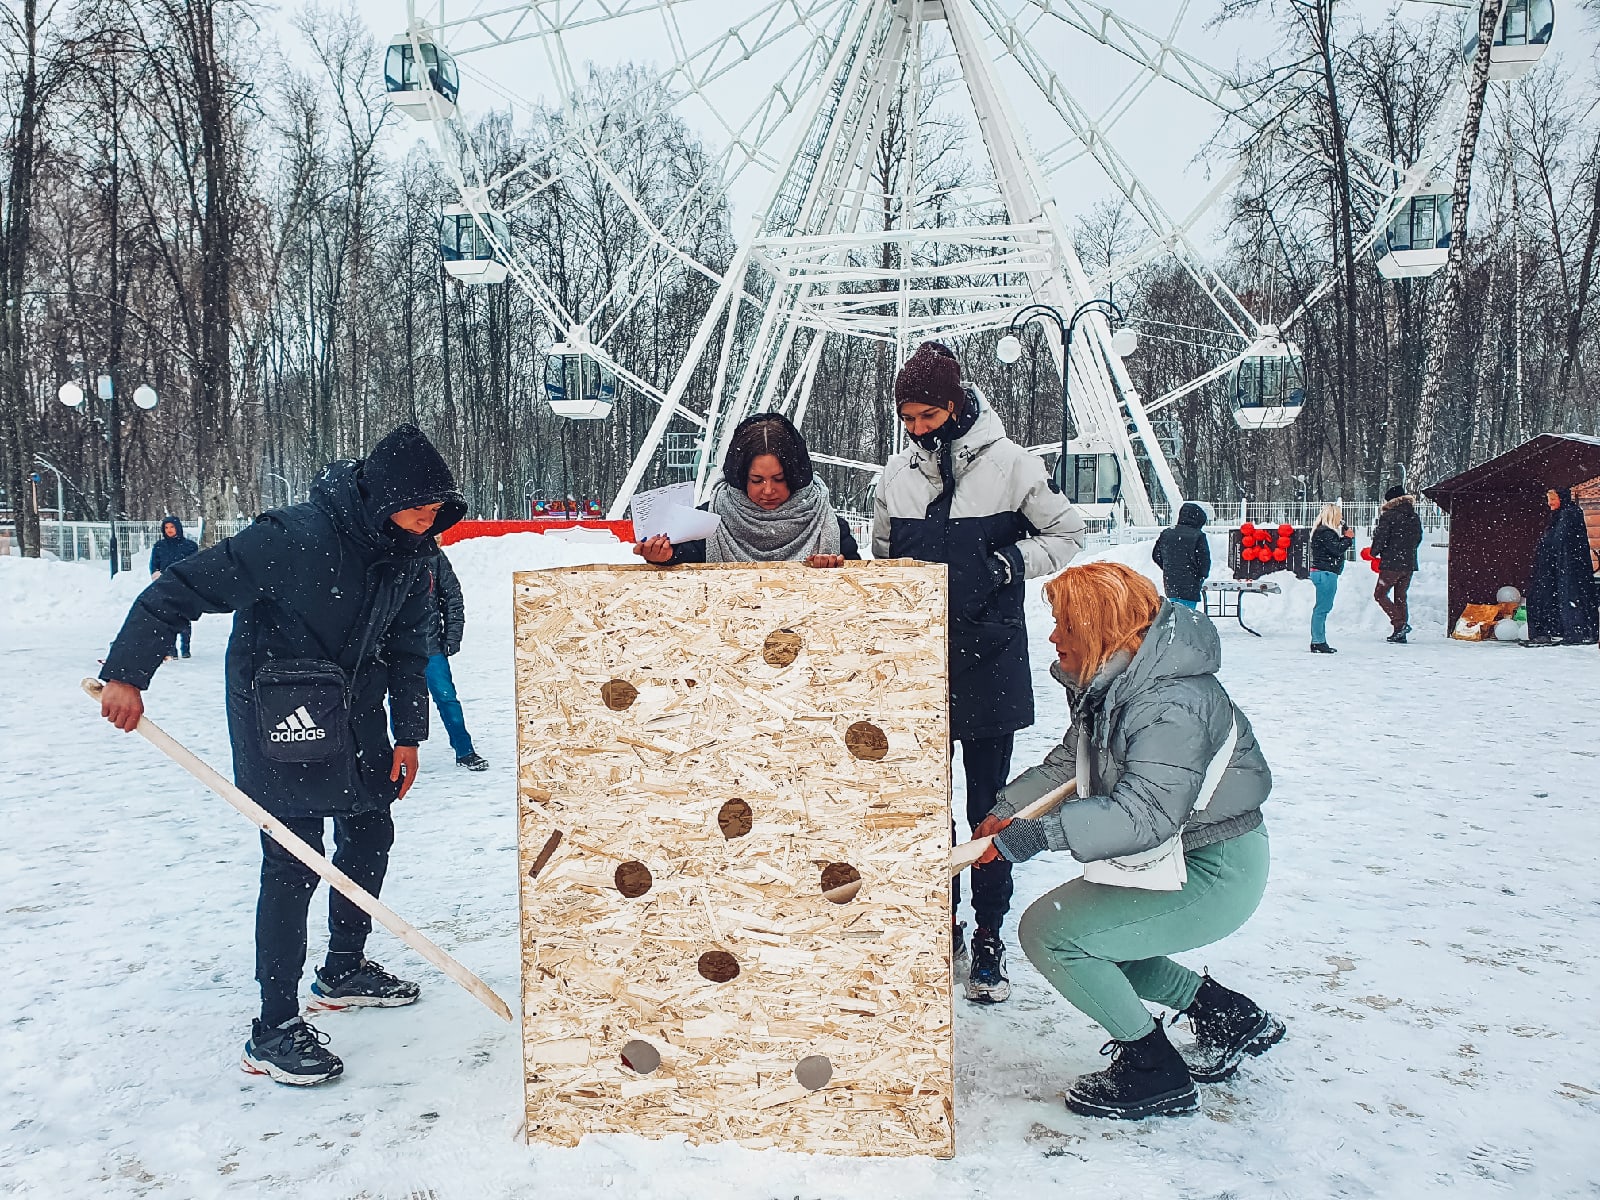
1429,934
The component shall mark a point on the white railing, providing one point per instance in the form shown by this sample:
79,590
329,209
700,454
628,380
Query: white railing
90,541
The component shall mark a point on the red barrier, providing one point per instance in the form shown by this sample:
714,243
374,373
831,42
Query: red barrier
462,530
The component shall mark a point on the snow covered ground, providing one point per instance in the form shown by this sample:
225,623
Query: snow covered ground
1429,935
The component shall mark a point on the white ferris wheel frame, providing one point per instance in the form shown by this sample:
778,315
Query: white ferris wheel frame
805,275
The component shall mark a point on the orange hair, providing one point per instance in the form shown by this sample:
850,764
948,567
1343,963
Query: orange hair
1100,608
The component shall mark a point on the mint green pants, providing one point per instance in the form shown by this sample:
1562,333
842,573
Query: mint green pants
1104,948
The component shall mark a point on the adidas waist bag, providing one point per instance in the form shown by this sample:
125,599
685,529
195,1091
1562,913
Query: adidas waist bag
303,710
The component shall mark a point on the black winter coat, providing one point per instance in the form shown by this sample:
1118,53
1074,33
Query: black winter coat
695,552
170,550
1561,594
444,633
1397,535
318,580
1328,548
1184,554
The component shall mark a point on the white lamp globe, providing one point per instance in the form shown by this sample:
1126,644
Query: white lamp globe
1508,595
145,397
1009,349
1508,630
1125,341
70,393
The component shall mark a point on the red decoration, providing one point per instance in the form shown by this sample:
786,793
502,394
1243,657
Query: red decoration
1376,568
1280,556
1283,543
1247,529
1247,555
1366,554
1285,529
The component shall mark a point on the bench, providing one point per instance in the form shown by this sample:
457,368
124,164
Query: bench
1225,597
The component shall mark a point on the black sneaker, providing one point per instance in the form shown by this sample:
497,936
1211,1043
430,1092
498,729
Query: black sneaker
473,762
184,654
368,986
1322,648
1398,637
960,960
1227,1026
1146,1078
986,981
294,1053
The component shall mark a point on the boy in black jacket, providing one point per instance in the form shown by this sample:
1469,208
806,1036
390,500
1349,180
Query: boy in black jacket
1184,556
331,600
173,548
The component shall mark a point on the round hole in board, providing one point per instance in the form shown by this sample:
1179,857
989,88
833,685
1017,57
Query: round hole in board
719,966
813,1072
781,648
633,879
641,1056
866,741
840,882
618,694
735,819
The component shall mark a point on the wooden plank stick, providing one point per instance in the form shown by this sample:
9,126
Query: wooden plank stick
285,837
964,855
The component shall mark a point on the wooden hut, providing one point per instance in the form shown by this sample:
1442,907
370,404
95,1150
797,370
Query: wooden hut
1498,512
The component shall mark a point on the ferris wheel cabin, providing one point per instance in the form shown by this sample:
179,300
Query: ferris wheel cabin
1267,388
470,253
1416,243
1089,475
1521,39
577,384
409,88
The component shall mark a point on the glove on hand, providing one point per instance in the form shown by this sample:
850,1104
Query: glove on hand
1020,840
1005,565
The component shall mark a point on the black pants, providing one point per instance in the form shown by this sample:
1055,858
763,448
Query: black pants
987,765
361,851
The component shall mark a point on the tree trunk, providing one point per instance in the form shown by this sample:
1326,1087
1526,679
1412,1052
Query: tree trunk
1454,283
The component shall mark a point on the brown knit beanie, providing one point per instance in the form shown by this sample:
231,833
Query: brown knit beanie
931,376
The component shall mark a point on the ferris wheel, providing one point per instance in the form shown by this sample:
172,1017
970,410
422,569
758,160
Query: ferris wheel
848,222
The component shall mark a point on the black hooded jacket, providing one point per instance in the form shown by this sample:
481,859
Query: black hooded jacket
1184,554
444,633
171,549
1397,535
1562,599
328,579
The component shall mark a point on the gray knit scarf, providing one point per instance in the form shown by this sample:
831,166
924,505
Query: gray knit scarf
805,524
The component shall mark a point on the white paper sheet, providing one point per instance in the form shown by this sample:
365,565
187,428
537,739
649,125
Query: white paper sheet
671,511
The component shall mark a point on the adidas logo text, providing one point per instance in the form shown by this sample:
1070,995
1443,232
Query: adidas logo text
298,726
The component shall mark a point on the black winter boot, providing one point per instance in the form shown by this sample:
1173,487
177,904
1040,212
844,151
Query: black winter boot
1322,648
1227,1026
1146,1078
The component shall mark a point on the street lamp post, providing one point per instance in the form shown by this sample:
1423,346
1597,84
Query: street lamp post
1124,341
72,395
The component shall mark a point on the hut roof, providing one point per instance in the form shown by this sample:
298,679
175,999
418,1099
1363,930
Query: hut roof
1551,460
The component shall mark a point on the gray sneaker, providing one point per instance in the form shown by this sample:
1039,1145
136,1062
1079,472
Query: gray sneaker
987,982
293,1053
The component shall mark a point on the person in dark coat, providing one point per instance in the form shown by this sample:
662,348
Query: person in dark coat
173,548
773,506
964,494
444,643
1395,540
1184,555
1331,540
331,601
1562,599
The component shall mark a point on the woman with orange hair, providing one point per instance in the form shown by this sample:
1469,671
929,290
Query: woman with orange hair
1167,822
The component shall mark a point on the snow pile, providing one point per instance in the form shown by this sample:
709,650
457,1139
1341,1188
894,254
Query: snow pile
1428,935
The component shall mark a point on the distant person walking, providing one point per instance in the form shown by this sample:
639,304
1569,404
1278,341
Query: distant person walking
444,643
1395,541
1184,555
1561,595
173,548
1331,540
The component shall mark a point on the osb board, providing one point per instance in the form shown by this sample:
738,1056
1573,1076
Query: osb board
864,984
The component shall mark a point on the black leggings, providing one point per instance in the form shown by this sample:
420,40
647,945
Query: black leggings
986,762
361,851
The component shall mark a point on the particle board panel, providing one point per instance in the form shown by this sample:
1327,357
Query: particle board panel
734,825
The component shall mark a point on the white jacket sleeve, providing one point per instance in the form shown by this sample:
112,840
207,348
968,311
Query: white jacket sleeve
1061,531
880,519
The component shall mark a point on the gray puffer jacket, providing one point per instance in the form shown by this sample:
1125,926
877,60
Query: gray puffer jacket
1155,720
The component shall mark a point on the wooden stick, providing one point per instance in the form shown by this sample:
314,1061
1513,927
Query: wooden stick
285,837
964,855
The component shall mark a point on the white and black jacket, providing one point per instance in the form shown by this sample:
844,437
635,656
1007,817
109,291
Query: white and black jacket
978,495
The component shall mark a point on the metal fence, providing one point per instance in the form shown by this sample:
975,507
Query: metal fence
1360,515
90,541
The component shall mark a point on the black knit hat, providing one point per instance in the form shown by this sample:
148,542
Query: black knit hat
767,433
931,376
405,471
1394,493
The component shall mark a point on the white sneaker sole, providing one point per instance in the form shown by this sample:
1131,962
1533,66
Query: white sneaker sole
988,993
319,1003
252,1066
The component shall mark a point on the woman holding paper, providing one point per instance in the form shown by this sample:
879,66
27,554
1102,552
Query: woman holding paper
770,504
1168,824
